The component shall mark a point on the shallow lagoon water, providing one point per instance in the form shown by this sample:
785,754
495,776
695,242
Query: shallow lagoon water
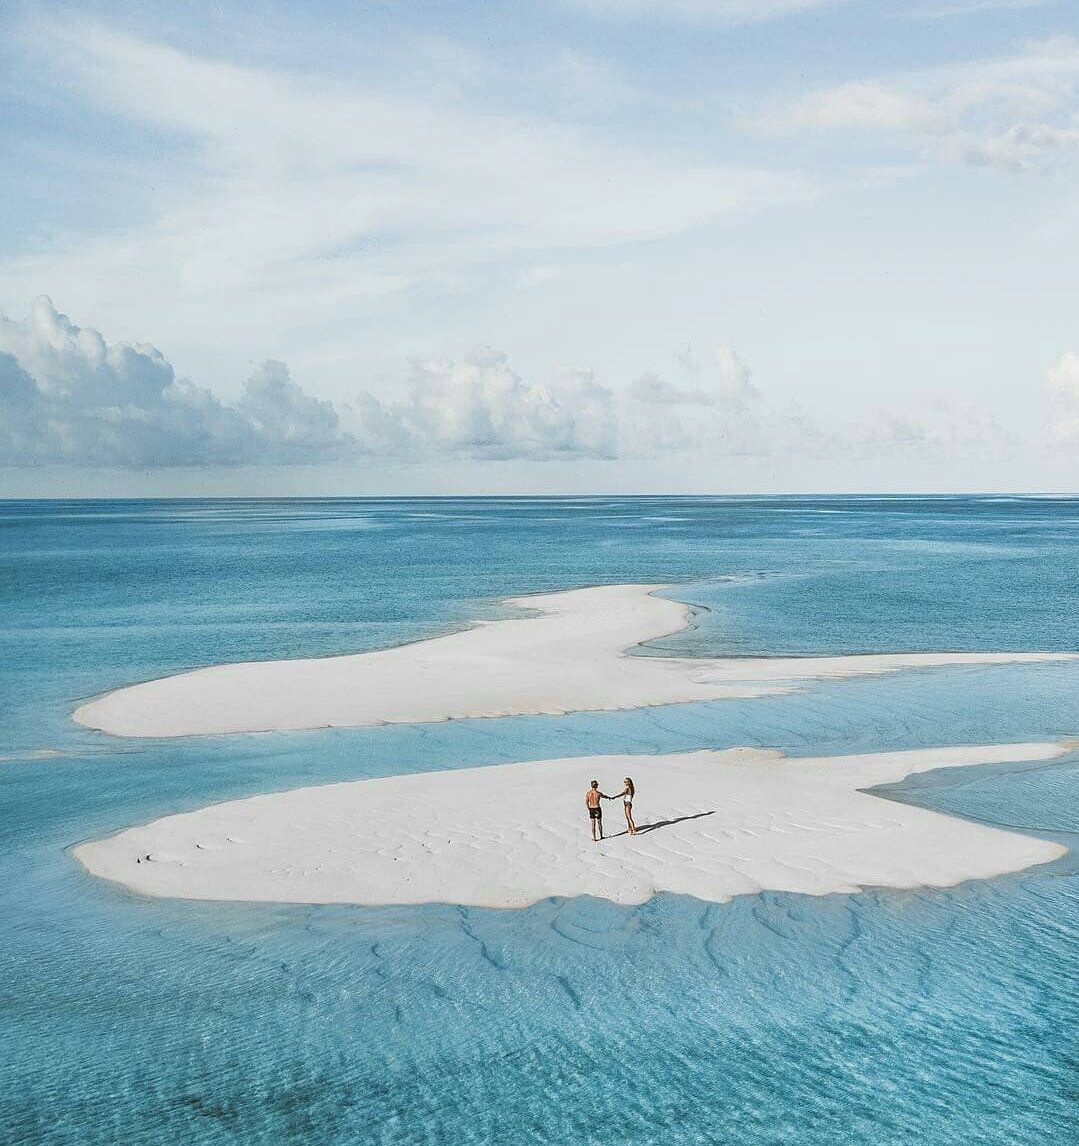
928,1017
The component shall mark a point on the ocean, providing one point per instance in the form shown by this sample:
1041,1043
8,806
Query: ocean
928,1017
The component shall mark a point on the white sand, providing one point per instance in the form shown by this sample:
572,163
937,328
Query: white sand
569,656
727,823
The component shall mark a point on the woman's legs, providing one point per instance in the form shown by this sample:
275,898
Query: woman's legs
629,819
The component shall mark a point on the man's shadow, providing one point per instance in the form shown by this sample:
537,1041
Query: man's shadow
642,828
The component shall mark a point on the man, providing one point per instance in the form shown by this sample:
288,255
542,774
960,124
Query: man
592,800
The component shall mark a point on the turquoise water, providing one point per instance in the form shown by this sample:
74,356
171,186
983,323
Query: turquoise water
929,1017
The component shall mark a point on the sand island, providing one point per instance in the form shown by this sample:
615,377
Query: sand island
571,652
712,824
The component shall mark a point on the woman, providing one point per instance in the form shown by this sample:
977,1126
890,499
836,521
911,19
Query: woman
627,804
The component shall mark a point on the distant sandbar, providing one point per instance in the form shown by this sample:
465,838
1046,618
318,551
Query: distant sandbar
569,654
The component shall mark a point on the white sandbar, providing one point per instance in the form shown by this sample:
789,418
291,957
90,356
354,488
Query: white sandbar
569,655
726,823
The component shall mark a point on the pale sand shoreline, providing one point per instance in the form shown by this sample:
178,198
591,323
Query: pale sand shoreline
728,823
570,655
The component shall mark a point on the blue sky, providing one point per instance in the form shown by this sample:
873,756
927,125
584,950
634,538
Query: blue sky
556,245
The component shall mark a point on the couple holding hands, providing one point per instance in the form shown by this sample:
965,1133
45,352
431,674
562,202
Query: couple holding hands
592,800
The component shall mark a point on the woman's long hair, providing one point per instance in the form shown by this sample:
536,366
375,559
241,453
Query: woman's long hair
629,785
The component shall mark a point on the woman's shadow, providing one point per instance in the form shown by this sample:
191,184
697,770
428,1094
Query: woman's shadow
667,823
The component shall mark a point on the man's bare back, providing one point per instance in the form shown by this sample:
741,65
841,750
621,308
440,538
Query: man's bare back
592,800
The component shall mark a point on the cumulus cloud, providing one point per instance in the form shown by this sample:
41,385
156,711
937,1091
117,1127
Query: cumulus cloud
653,389
721,414
733,376
730,417
721,430
22,411
727,376
68,396
1062,393
289,423
1063,376
479,408
934,426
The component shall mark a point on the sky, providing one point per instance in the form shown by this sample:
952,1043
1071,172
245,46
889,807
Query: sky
541,246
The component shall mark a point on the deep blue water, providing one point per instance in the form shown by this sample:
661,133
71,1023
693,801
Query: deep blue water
931,1017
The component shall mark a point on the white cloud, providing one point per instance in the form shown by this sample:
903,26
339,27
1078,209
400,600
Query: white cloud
74,364
67,396
1015,112
1063,376
733,418
859,107
480,408
720,430
653,390
1019,148
727,377
292,195
733,376
722,414
933,426
700,11
287,421
1062,393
